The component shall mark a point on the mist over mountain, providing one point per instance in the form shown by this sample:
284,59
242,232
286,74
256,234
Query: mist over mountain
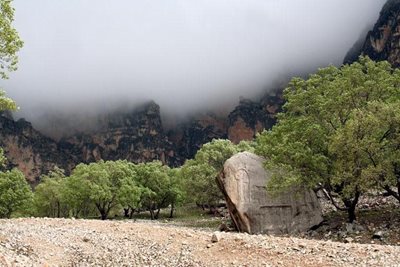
91,57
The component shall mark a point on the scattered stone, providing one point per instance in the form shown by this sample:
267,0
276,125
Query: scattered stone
348,240
378,235
328,234
215,237
33,242
350,228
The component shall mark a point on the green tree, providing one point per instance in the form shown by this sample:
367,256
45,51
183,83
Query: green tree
200,173
176,192
2,158
15,193
6,103
48,195
130,191
154,178
10,43
371,139
307,147
200,185
104,181
75,194
129,196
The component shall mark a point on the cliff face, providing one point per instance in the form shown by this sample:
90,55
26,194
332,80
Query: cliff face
137,136
187,138
250,118
29,150
383,41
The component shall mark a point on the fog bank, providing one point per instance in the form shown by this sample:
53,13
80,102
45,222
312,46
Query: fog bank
92,55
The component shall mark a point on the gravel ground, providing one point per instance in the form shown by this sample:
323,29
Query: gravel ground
68,242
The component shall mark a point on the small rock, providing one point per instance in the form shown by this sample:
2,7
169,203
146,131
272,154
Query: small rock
348,240
359,228
378,235
314,234
328,234
209,246
215,237
350,227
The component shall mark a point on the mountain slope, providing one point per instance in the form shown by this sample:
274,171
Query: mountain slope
383,41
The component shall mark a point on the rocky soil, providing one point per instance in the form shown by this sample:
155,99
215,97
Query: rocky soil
68,242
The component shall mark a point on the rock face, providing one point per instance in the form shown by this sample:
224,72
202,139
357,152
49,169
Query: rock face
250,117
136,135
253,210
29,150
190,136
383,41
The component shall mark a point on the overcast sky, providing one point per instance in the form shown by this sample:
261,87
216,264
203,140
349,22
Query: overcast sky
184,54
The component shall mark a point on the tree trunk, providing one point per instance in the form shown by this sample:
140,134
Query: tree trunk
157,214
58,209
131,213
103,211
351,212
126,212
351,205
104,215
213,210
171,214
393,193
151,214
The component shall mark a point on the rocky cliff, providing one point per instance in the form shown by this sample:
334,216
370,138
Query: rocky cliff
250,117
383,41
137,135
29,150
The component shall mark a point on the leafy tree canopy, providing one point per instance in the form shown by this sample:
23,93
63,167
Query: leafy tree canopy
15,193
10,43
200,172
338,130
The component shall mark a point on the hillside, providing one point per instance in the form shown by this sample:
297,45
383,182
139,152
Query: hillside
382,41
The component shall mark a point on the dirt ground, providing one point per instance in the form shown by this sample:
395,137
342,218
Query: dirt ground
69,242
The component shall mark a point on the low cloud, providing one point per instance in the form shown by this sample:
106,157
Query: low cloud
87,56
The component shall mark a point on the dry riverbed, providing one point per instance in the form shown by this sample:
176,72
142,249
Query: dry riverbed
66,242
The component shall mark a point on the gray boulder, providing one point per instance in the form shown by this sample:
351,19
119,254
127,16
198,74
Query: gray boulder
253,210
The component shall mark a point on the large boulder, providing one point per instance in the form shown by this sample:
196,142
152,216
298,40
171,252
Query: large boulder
253,210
